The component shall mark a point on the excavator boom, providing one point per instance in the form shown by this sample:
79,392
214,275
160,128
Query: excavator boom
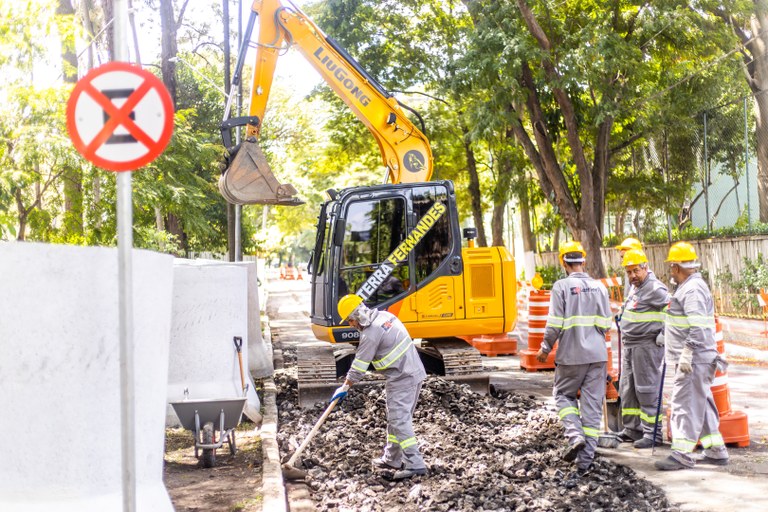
249,179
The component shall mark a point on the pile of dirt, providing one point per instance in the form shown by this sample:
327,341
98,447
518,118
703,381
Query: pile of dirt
499,452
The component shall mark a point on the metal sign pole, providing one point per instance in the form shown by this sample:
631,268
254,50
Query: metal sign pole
125,293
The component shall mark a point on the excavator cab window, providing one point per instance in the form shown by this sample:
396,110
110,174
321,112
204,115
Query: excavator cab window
437,244
374,228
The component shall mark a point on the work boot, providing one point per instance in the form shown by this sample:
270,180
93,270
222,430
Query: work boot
713,461
669,464
570,453
645,442
380,463
625,438
408,473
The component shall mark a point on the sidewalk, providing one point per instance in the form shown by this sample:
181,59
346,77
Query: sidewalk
743,485
744,332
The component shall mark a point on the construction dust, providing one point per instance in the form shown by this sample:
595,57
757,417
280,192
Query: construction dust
483,453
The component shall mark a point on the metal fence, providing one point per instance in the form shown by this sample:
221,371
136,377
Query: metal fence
718,257
715,150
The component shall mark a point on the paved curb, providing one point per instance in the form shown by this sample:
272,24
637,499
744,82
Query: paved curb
272,473
272,485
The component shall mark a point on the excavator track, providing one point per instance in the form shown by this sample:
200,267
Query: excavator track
320,366
316,366
456,360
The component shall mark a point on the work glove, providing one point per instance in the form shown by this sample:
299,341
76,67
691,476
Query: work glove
660,339
685,361
340,393
541,356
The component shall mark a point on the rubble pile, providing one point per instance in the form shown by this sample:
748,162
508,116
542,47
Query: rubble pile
499,452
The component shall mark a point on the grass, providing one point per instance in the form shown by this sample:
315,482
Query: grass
242,506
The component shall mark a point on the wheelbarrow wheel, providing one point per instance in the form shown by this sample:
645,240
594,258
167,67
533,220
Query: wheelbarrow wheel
209,454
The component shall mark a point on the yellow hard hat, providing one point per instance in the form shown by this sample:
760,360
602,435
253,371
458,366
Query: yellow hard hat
634,257
569,247
630,243
681,251
347,304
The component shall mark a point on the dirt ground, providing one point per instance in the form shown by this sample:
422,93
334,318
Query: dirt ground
233,484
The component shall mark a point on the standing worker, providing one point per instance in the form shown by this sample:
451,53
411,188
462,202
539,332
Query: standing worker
690,343
642,324
579,315
386,344
623,247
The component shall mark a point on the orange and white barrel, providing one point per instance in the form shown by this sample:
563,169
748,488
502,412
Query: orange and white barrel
538,310
719,387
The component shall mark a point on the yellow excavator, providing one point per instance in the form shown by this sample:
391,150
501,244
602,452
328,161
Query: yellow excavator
398,245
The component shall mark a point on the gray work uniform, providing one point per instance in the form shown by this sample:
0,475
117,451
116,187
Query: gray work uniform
690,322
386,345
642,320
579,315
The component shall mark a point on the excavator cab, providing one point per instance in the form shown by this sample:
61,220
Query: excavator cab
360,229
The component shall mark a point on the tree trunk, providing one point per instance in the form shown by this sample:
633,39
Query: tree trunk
168,49
761,134
474,189
501,192
73,176
757,76
529,243
109,35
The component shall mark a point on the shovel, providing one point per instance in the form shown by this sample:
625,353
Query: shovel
239,347
290,472
607,439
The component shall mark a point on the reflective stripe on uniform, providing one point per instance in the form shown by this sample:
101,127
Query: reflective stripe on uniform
650,419
360,365
565,411
554,321
407,443
392,438
712,440
395,354
683,445
604,322
682,321
591,432
629,411
646,317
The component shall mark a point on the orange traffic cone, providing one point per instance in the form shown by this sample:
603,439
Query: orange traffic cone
734,426
538,309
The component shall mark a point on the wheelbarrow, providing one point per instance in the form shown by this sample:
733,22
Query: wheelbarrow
204,418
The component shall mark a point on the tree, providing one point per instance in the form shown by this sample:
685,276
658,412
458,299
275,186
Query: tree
749,21
577,71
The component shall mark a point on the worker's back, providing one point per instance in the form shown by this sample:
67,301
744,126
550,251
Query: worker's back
579,315
395,355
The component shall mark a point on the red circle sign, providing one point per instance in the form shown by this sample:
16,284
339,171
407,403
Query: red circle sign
119,116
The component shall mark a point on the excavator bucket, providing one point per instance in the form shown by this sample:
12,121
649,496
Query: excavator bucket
249,179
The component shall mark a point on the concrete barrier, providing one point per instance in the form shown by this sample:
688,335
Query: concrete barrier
259,347
60,377
210,308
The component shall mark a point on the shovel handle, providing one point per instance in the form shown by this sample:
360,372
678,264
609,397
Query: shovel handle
238,341
312,433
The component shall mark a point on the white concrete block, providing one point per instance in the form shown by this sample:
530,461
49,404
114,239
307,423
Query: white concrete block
210,308
60,377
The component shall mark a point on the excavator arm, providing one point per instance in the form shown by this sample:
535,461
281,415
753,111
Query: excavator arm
248,179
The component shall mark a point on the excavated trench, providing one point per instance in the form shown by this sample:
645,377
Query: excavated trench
498,452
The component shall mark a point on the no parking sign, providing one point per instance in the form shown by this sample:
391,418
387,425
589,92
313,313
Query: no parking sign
120,117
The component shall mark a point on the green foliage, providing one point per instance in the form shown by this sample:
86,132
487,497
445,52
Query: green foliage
550,274
752,278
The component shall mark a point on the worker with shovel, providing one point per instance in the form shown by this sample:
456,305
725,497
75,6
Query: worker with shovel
690,344
642,323
579,316
386,345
